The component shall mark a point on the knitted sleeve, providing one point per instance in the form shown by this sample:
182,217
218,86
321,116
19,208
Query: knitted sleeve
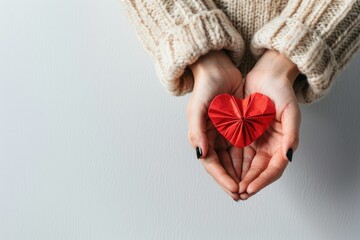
319,36
176,33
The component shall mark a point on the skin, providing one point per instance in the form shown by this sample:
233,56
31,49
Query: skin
244,172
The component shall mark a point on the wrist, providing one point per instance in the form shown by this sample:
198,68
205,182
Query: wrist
213,61
278,65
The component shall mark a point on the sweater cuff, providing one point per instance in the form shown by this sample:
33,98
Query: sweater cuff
184,44
304,47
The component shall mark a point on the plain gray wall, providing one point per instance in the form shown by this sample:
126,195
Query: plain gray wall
93,147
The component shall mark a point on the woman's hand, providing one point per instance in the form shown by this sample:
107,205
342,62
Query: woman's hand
265,160
214,74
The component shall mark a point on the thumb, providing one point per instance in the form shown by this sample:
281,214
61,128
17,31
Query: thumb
196,114
290,119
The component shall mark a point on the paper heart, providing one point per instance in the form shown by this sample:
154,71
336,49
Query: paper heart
241,121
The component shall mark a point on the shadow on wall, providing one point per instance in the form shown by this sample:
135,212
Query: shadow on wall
332,129
325,181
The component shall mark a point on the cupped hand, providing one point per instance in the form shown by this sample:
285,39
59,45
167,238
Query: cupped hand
214,73
265,160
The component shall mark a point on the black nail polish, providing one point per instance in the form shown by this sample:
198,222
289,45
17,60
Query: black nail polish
198,152
289,154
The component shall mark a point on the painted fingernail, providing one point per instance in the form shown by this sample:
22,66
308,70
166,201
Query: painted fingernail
289,154
198,152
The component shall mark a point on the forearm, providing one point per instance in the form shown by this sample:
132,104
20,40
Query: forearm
177,33
318,36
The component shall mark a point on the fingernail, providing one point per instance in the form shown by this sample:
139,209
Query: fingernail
289,154
244,196
198,152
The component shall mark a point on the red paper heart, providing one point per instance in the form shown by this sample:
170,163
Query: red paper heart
241,121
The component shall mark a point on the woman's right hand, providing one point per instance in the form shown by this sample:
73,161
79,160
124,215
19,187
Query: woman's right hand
214,73
266,158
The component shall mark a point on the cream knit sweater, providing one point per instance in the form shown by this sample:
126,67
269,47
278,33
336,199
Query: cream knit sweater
319,36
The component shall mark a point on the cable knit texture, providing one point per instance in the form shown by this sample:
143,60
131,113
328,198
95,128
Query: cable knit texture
319,36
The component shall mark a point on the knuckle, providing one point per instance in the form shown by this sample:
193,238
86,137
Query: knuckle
270,177
233,189
294,139
258,169
194,137
207,170
277,175
277,172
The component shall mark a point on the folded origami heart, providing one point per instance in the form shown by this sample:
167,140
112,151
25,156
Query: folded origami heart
241,121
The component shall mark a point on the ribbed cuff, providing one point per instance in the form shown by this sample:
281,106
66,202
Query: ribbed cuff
184,44
305,48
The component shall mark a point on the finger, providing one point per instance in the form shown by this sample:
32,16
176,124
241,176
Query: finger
213,167
245,195
234,196
248,155
258,165
290,119
239,93
226,162
273,172
196,114
236,155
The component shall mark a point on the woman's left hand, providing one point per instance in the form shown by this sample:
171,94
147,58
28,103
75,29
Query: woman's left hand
265,159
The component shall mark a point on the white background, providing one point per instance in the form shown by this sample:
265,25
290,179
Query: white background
93,147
